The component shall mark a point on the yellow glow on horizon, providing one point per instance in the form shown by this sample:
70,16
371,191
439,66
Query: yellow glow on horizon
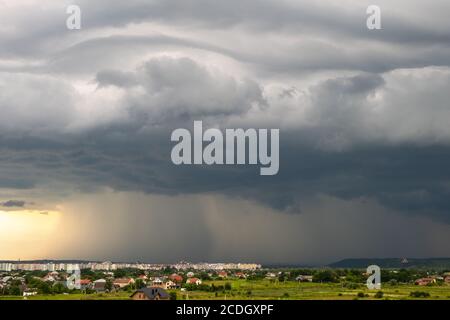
27,233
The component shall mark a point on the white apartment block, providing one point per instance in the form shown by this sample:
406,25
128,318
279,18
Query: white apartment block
8,267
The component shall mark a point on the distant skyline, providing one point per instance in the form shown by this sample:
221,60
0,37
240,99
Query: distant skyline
87,116
341,263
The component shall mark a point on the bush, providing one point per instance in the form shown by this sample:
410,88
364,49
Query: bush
121,273
393,282
44,288
360,295
351,285
173,295
14,291
325,276
379,295
139,284
59,288
419,294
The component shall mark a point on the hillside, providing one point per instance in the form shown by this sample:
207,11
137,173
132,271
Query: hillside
433,263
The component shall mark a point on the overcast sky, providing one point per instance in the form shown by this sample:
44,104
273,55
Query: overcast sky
86,118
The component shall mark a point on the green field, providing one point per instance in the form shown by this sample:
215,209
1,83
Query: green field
270,290
264,289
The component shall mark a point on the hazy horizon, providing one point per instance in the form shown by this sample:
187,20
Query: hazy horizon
214,262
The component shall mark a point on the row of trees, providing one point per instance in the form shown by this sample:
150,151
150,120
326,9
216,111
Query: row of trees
346,275
16,287
210,288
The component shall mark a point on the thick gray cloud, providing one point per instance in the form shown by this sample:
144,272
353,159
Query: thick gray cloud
289,36
180,87
363,115
13,204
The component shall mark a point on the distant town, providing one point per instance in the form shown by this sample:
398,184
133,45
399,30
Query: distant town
111,266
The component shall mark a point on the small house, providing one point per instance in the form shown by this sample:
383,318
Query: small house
152,293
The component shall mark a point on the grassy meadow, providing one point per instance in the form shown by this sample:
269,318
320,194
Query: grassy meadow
273,290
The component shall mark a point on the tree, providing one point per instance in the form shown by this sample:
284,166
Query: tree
44,288
204,276
108,285
325,276
139,284
59,288
169,270
120,273
355,276
173,295
14,291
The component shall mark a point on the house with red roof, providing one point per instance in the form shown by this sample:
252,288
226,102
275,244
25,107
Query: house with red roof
176,278
195,281
123,282
85,284
425,281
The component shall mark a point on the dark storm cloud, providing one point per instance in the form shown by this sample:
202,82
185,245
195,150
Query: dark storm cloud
316,36
335,153
281,16
294,57
409,179
13,204
363,117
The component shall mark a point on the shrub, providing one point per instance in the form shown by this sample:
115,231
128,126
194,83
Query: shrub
419,294
360,295
379,294
393,282
173,295
325,276
351,285
14,291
